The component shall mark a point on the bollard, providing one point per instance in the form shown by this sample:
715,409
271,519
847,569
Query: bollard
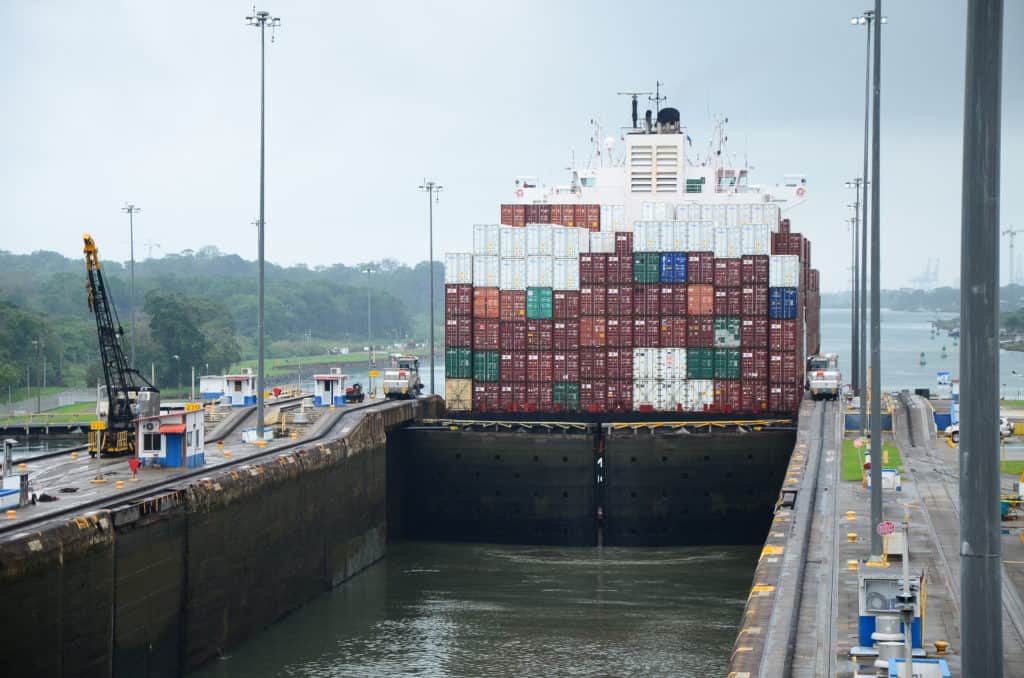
851,537
941,646
851,515
74,455
227,455
851,565
22,466
10,514
119,484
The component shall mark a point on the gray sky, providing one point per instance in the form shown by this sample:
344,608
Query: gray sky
158,104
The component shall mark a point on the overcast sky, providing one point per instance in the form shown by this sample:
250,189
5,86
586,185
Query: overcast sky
158,104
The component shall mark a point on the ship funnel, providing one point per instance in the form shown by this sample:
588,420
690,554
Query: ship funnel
668,121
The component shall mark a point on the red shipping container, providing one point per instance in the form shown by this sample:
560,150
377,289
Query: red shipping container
566,335
806,256
593,395
580,216
616,273
506,397
620,395
754,269
567,366
754,301
458,333
788,243
593,221
513,336
620,363
593,268
754,395
486,396
754,332
813,280
458,301
544,214
674,299
507,217
782,368
620,300
647,332
568,215
728,300
593,331
555,212
565,304
674,331
784,399
754,363
623,243
700,332
728,272
519,215
540,367
511,305
700,300
593,362
486,335
647,300
593,300
700,268
784,226
486,302
532,215
728,396
513,366
783,335
540,335
540,396
619,332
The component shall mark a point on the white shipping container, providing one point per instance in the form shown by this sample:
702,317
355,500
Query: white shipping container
486,238
486,270
757,213
513,273
755,239
538,240
513,241
647,236
720,244
680,237
695,211
540,271
718,215
458,268
618,218
645,392
606,218
602,242
682,212
666,237
732,215
733,241
644,363
707,213
670,363
566,274
661,211
771,216
700,392
647,211
569,242
784,270
744,214
673,394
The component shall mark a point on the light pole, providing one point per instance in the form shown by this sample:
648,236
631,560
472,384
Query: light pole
38,343
855,293
132,210
980,538
432,189
261,19
369,332
177,369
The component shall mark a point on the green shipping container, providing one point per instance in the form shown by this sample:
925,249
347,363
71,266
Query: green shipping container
646,267
727,363
567,394
486,366
458,363
538,303
700,363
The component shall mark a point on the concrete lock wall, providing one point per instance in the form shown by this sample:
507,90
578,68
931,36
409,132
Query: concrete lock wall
168,583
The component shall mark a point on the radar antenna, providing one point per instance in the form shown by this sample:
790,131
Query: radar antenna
635,95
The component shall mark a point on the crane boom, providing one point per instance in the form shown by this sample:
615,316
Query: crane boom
125,386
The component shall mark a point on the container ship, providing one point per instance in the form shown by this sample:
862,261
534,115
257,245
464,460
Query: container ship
663,282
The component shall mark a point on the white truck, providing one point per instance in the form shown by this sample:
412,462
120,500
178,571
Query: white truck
402,379
824,380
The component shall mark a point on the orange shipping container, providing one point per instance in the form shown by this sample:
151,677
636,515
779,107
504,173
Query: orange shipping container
485,302
700,300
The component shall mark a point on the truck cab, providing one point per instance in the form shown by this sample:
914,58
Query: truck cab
402,379
824,380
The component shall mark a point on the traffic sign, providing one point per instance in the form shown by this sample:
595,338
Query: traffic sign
886,527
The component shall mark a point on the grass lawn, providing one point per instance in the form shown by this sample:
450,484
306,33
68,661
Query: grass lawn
1011,403
1013,468
853,459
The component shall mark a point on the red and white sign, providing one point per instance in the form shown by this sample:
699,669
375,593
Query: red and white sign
886,527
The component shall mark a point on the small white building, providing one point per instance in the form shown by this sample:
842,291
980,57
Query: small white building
173,439
329,389
241,388
212,386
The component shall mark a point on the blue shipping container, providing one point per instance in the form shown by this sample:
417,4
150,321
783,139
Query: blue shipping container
782,303
673,267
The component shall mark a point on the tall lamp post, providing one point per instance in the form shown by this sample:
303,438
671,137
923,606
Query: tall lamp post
261,20
132,210
177,369
369,333
38,343
432,189
855,328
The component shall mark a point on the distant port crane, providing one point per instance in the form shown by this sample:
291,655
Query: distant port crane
1012,232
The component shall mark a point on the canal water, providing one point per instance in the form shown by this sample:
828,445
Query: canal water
432,609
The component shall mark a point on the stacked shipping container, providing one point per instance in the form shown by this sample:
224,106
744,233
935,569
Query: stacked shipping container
704,313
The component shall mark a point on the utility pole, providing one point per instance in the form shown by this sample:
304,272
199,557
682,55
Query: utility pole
855,325
132,210
149,245
1012,232
432,189
876,334
369,333
261,19
980,540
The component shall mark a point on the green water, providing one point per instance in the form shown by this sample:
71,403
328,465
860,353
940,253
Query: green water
472,610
